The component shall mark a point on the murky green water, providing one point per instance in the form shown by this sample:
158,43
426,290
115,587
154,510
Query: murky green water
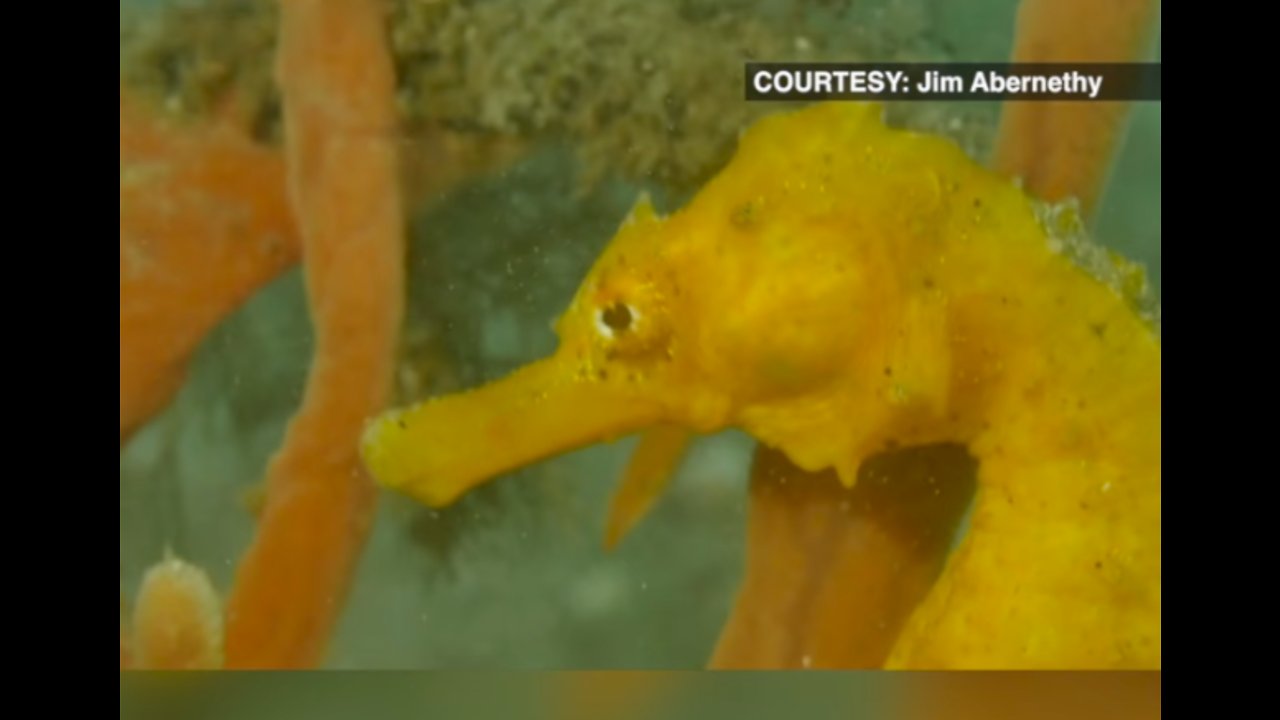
514,574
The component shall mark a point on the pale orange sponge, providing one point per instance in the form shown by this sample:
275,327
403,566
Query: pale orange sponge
177,620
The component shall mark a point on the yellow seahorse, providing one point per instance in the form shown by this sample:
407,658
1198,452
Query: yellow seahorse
841,288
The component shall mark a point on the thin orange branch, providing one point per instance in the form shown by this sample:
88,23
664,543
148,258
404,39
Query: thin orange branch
203,224
1065,149
832,574
338,85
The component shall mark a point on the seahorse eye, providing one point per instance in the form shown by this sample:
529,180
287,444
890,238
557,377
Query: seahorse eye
615,319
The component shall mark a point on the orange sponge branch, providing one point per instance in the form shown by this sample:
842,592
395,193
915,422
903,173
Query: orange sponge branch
1065,149
337,79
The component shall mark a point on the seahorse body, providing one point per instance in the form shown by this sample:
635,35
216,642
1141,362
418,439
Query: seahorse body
838,289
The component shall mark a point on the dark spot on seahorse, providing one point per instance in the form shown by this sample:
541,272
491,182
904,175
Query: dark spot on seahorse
743,215
1099,329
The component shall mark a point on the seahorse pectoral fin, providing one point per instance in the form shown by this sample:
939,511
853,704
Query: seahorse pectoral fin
649,471
441,448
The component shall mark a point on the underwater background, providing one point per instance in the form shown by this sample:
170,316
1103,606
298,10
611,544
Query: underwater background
580,106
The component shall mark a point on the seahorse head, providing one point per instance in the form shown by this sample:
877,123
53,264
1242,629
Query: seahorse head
759,304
